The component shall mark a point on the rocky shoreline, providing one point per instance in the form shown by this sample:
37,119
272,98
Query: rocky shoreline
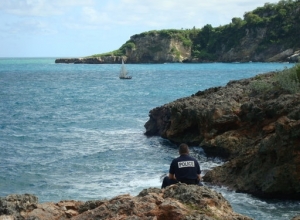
258,132
177,202
91,60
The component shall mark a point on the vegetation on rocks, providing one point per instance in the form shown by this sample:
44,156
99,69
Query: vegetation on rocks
288,80
281,23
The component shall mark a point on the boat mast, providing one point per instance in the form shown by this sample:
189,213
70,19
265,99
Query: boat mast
123,69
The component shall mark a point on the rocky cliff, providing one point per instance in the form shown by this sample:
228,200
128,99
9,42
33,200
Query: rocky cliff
149,48
177,202
156,48
258,131
248,49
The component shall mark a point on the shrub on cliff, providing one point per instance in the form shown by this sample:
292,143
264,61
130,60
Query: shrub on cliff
287,80
112,53
298,72
261,86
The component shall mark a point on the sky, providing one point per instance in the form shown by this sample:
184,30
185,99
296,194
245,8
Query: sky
78,28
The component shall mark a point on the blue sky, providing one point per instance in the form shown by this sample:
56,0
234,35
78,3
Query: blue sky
77,28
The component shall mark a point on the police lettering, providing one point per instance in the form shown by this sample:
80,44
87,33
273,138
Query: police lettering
183,164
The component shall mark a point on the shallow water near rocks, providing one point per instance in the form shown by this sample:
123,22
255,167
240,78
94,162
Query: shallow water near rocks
76,131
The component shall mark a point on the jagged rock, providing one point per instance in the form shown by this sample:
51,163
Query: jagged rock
14,205
180,201
295,57
26,207
259,134
284,55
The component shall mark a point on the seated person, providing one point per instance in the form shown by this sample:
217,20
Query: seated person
183,169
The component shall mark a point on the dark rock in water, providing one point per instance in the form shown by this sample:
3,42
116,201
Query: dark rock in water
258,133
176,202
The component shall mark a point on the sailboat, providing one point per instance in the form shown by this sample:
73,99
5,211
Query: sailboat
123,72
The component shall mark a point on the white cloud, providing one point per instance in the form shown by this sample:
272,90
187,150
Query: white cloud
150,14
189,10
41,7
32,26
157,14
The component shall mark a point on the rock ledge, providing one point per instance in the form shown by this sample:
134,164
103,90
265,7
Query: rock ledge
177,202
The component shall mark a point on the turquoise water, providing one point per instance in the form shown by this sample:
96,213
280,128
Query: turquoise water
76,131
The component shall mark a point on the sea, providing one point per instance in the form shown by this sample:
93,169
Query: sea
76,131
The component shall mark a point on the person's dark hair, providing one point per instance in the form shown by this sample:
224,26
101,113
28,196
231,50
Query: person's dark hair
183,149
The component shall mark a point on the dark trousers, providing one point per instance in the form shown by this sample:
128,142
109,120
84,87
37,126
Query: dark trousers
167,182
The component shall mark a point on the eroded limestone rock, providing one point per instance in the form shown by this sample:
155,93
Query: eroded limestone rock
258,133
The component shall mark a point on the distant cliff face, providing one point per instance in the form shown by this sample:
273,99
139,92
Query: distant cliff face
248,49
152,48
157,49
